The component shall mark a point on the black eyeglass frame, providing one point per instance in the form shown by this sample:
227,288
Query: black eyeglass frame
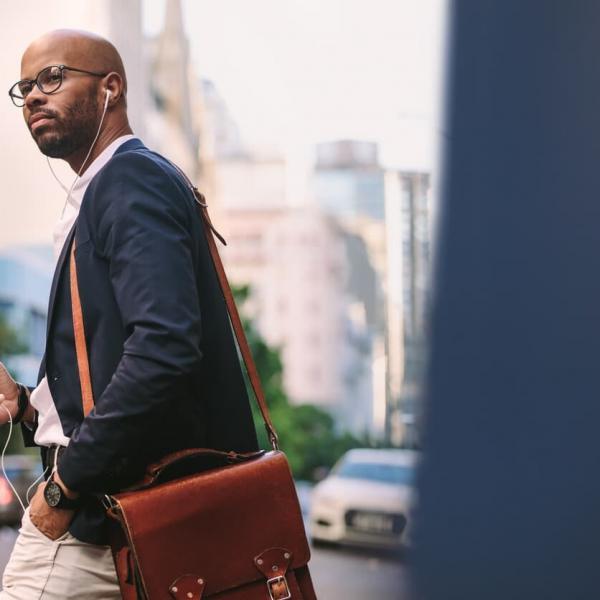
17,97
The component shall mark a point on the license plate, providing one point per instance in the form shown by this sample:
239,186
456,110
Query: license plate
372,522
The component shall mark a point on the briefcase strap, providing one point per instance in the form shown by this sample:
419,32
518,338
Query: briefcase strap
78,325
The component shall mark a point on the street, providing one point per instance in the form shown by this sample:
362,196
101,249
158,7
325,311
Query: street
337,572
357,575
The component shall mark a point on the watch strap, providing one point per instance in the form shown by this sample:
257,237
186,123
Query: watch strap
22,402
64,502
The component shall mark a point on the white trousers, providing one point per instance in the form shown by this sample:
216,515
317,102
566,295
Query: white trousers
42,569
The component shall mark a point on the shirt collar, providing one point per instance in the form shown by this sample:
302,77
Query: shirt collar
99,162
75,198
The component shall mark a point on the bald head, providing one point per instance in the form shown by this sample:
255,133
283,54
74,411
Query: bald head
78,101
77,48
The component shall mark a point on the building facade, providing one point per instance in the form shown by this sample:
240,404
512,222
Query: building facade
26,276
348,186
409,250
348,179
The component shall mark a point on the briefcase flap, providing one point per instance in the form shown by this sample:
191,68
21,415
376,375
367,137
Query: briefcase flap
215,526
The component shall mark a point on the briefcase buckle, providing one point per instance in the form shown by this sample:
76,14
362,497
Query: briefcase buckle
278,588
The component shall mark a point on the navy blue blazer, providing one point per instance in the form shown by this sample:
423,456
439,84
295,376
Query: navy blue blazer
164,365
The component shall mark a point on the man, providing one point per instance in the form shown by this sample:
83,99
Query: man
164,367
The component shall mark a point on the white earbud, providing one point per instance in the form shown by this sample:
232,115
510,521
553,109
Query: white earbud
107,95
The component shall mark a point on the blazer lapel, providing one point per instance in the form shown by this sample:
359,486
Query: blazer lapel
132,144
57,274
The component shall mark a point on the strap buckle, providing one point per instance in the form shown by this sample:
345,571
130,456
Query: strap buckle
200,199
278,588
108,502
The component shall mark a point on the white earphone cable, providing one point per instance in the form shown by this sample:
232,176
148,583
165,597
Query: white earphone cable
70,190
62,185
12,487
31,486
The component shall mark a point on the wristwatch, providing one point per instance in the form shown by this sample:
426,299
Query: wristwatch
22,402
55,496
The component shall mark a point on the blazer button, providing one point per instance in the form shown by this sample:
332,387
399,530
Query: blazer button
55,377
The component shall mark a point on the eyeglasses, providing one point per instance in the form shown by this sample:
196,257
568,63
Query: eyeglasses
48,81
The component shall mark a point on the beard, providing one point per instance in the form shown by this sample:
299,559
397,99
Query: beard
69,133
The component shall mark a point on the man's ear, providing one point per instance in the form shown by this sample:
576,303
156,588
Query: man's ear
114,88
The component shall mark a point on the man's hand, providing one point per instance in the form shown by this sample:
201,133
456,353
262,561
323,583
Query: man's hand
9,394
52,522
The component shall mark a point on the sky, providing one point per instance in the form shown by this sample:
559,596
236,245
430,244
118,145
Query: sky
296,72
293,72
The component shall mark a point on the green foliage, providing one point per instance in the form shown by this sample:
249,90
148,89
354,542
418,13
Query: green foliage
307,434
10,342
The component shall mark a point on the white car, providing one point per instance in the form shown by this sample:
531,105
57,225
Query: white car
366,499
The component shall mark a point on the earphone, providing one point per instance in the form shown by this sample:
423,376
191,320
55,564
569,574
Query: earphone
107,95
12,487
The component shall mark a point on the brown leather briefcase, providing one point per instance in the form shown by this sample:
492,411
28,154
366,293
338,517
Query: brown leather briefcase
204,523
232,532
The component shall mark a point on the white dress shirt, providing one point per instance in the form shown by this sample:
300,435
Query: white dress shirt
49,430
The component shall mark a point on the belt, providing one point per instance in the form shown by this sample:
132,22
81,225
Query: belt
53,454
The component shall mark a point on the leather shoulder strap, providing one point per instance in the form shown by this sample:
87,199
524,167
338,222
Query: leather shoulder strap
83,364
78,325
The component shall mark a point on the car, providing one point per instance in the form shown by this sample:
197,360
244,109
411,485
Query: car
366,499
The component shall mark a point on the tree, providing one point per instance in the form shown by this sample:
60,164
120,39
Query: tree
307,433
10,342
10,345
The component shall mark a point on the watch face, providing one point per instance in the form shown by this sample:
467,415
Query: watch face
52,493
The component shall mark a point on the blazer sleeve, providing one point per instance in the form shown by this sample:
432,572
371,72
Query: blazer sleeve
143,230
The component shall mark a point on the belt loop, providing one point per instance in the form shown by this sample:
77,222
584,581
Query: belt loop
55,458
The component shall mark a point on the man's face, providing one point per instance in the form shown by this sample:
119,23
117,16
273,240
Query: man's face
65,121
